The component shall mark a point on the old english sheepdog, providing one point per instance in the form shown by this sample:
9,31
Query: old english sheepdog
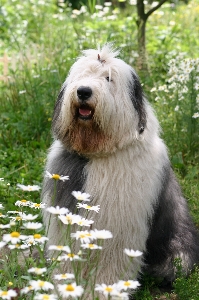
106,139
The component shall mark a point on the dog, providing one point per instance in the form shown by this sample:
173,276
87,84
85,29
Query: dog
107,140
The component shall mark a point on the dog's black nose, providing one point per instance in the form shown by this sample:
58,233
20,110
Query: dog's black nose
84,93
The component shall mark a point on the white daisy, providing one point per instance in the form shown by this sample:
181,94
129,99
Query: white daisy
96,208
36,239
120,295
70,218
102,234
81,196
29,188
27,217
8,294
84,222
83,236
14,237
129,284
56,176
3,226
107,290
45,297
64,276
2,244
1,206
17,246
68,256
37,271
57,210
59,248
132,253
22,203
70,290
41,285
196,115
37,205
91,246
33,225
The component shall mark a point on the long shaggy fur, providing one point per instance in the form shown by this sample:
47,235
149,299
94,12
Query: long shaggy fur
116,155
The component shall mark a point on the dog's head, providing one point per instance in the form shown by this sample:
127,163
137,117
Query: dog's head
101,105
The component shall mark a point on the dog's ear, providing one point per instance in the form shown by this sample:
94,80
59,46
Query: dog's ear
57,107
137,98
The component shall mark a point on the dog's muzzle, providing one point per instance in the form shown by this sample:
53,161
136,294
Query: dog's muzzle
84,111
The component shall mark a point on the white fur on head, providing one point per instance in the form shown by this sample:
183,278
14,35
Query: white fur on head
115,120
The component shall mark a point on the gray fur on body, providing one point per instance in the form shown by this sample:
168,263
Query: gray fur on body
127,172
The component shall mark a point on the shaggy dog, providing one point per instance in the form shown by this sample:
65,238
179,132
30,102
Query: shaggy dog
107,141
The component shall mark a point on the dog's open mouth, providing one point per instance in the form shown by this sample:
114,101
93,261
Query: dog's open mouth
85,112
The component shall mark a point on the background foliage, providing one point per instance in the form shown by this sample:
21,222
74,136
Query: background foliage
43,38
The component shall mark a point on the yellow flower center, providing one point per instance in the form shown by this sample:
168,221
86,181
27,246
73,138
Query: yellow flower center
4,293
63,276
37,205
41,283
69,288
108,289
24,201
46,297
71,255
88,207
127,283
18,218
60,247
37,236
56,176
91,245
15,234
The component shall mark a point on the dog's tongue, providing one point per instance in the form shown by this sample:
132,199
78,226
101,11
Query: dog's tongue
83,111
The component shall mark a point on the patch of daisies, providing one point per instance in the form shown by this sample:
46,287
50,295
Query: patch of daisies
21,234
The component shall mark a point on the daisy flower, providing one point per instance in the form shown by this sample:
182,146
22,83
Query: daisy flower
27,217
107,290
132,253
91,246
129,284
26,289
69,255
8,294
33,225
2,244
57,210
195,115
84,222
37,205
64,276
17,246
1,179
96,208
36,239
59,248
14,237
45,297
70,218
2,226
41,285
83,236
37,271
29,188
1,206
71,290
2,216
56,176
120,295
22,203
102,234
81,196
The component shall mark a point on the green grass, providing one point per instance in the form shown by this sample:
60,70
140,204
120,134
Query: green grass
43,42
